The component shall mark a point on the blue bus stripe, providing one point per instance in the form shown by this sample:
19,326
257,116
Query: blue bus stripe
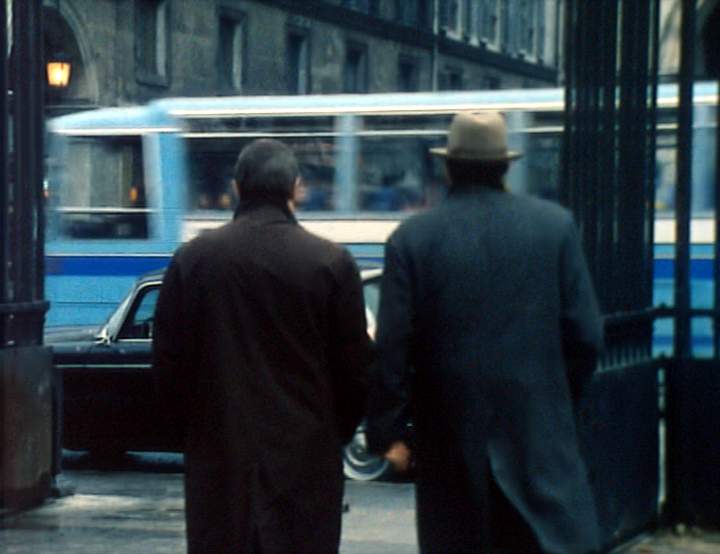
699,269
104,265
137,265
133,265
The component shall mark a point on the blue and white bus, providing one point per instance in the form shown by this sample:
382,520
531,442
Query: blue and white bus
125,186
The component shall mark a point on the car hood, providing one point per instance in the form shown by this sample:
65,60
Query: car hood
71,333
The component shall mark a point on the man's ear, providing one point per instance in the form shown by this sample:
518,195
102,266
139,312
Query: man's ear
299,191
235,188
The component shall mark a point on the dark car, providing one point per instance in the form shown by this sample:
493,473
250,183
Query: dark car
109,400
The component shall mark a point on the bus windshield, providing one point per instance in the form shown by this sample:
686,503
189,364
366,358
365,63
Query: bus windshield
96,188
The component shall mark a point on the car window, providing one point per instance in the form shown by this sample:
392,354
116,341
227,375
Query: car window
139,323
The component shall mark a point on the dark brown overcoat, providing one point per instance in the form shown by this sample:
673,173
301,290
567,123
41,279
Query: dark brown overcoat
488,299
261,350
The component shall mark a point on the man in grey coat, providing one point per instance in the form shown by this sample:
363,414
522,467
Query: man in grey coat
261,353
488,327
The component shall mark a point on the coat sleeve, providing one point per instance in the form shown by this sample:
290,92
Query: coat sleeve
169,348
350,349
581,323
389,410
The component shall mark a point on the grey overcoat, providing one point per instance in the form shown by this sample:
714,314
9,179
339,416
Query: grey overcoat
261,353
488,323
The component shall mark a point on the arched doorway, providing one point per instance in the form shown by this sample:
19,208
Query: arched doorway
61,39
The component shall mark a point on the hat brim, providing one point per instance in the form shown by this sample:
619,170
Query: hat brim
508,157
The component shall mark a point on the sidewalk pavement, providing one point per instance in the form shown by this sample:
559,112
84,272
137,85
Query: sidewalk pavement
131,512
681,540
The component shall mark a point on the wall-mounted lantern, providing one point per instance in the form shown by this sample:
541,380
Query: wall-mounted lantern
59,69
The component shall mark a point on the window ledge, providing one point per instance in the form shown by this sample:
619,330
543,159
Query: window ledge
154,79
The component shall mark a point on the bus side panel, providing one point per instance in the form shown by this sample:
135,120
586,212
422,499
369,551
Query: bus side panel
85,290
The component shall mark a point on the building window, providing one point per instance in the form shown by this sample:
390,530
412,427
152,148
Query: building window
536,36
450,79
487,16
411,12
231,50
355,78
450,17
507,11
527,34
467,20
408,78
152,41
298,62
526,29
540,32
522,27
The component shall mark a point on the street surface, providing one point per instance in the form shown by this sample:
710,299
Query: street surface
135,506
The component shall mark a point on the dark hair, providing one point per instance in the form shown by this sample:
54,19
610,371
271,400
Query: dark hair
266,169
466,172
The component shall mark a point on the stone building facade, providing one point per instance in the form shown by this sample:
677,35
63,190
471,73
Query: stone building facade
130,51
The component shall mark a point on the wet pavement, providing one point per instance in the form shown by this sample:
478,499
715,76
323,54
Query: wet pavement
136,506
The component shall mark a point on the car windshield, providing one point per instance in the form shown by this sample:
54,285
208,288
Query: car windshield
115,319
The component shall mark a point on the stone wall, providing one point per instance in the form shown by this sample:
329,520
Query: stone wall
105,31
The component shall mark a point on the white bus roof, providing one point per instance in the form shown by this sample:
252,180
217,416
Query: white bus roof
165,114
129,120
363,104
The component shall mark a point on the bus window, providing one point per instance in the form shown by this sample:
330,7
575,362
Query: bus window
396,170
703,162
665,169
398,173
541,156
98,190
363,162
213,147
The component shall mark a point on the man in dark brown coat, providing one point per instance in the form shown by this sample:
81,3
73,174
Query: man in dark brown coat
488,326
261,350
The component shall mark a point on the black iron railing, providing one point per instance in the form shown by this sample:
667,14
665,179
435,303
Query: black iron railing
608,172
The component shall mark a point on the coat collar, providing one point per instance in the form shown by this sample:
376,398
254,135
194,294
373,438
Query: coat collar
265,212
479,188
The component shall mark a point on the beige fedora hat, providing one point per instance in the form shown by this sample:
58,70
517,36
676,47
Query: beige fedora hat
480,136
